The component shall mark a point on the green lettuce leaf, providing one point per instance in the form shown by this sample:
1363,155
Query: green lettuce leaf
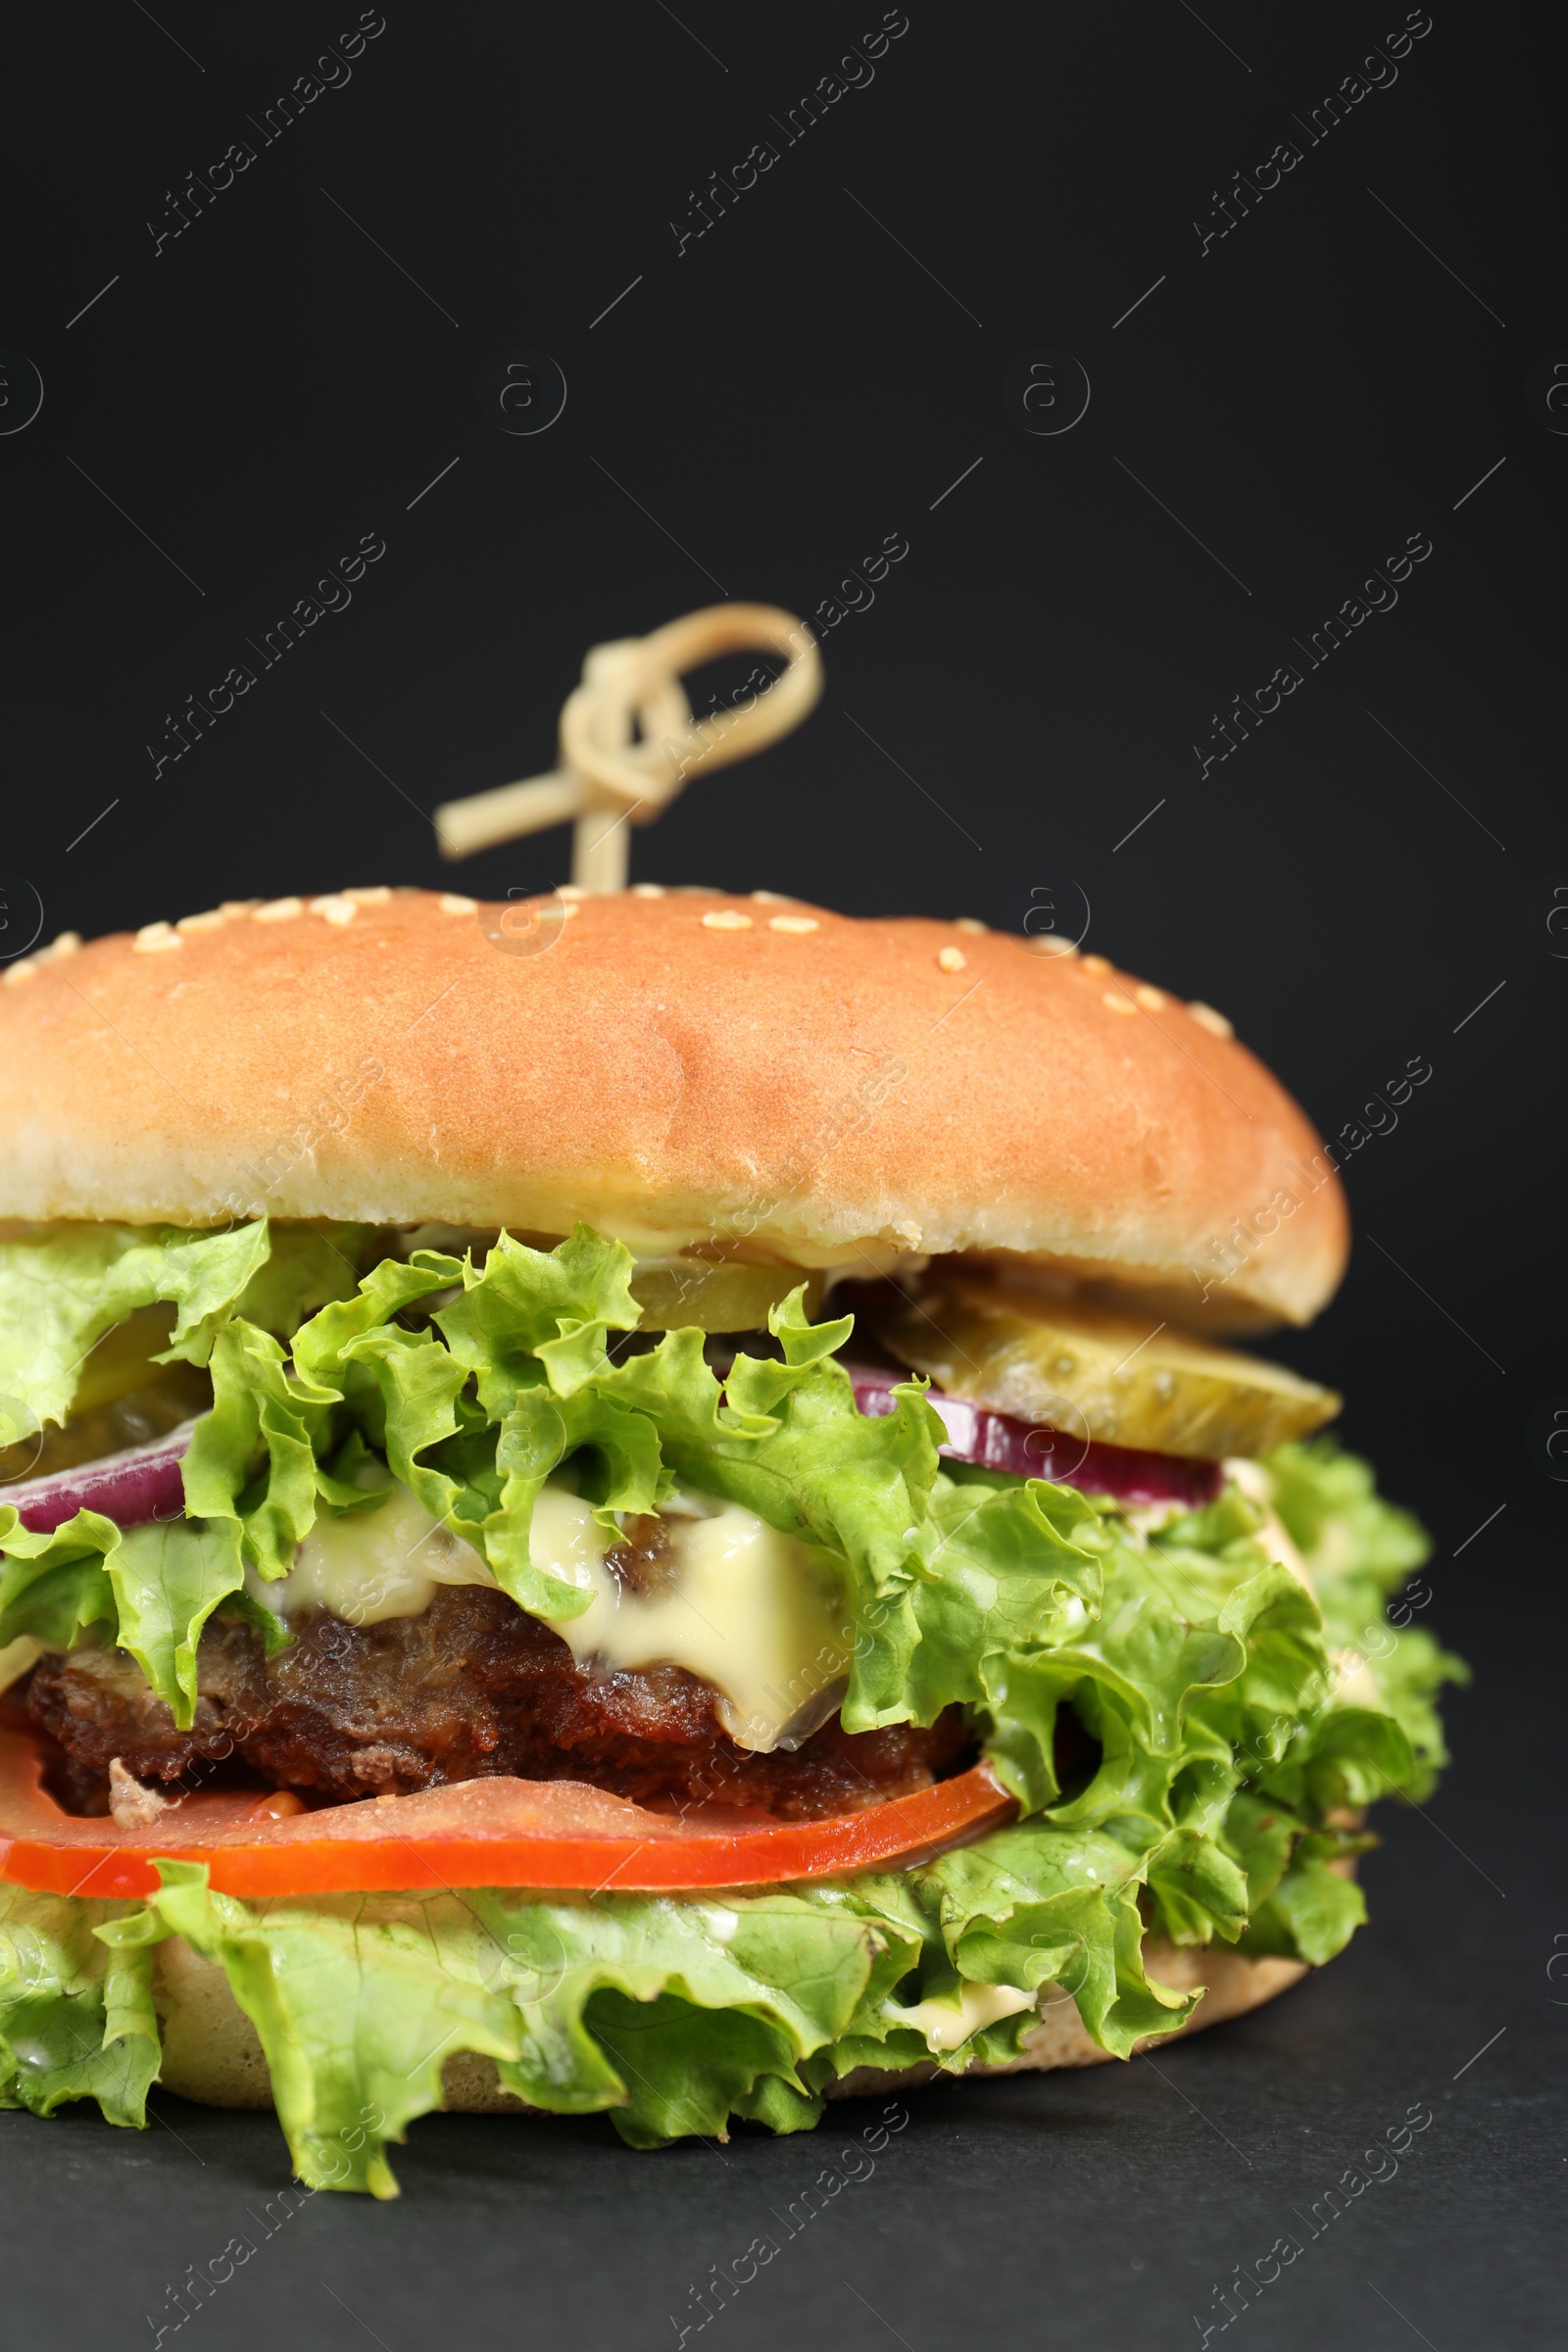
529,1308
1224,1733
61,1292
1038,1905
65,1286
672,2013
154,1586
168,1578
1013,1571
1313,1912
53,1586
76,2019
322,1345
787,1441
1361,1551
307,1267
252,1460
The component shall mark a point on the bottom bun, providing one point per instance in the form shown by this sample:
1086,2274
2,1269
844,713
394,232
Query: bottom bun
212,2054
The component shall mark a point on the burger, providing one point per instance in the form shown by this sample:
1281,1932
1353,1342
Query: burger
642,1502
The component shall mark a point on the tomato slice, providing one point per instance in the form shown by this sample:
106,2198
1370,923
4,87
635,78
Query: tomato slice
487,1833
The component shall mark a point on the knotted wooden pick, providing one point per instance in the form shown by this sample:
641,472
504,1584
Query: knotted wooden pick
629,742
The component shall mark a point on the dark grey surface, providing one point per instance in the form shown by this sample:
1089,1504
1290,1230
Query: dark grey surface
1360,884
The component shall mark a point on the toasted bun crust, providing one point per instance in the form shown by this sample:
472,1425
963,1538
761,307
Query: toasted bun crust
673,1070
211,2052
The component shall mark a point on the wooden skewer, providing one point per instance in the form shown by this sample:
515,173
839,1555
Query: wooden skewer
629,742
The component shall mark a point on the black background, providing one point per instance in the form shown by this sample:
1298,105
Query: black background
752,419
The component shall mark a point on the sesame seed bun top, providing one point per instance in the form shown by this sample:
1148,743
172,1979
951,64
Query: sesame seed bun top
679,1068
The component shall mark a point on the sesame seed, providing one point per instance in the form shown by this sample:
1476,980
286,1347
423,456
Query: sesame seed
1097,964
156,939
336,906
67,944
233,909
727,918
374,894
1117,1001
278,910
574,890
1046,943
968,923
1153,1000
648,890
455,902
570,908
1214,1022
16,973
952,959
771,898
799,923
214,921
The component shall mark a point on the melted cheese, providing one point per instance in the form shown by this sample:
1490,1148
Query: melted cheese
753,1613
946,2027
364,1566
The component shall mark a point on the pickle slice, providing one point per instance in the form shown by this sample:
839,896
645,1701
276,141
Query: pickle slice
123,1359
169,1395
715,1293
1120,1379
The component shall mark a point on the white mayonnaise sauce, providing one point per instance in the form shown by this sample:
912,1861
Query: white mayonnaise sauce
945,2026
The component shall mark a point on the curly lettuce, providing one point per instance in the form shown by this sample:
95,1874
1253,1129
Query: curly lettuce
76,2017
1361,1551
65,1287
1230,1720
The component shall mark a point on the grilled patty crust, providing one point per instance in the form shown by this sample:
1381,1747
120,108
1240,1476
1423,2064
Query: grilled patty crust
470,1686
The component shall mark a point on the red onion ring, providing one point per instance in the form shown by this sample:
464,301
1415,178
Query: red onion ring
998,1442
131,1487
144,1482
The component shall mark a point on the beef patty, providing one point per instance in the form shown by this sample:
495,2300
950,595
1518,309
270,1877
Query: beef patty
471,1686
